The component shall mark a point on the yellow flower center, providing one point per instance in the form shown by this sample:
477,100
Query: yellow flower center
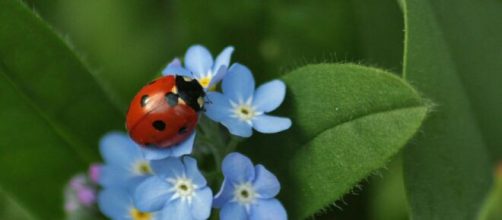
204,81
143,168
139,215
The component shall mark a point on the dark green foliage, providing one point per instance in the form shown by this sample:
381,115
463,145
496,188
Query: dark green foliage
447,171
53,111
348,121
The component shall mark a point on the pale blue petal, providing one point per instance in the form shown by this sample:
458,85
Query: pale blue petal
180,71
225,195
237,127
152,194
265,183
114,202
171,167
156,215
233,211
175,63
238,168
118,149
201,203
238,84
219,74
217,106
176,209
114,176
183,148
198,60
192,172
269,96
270,209
223,59
271,124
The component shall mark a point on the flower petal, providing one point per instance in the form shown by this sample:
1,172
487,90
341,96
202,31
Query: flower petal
177,209
180,71
233,211
201,204
223,59
118,149
271,124
114,176
237,168
114,202
238,84
193,173
185,147
198,60
219,74
217,106
265,183
269,96
168,168
151,195
270,209
176,62
225,194
237,127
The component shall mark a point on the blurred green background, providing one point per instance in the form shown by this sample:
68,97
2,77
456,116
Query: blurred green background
126,43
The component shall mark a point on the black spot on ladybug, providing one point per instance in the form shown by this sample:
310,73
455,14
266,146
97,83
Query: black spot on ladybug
171,99
152,82
182,130
159,125
144,100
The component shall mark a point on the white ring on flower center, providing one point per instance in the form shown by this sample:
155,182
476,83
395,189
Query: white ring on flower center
142,167
245,194
244,111
183,188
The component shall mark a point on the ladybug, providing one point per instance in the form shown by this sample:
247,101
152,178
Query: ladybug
165,111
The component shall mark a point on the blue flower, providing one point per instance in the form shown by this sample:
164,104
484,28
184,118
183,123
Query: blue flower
200,62
178,190
124,164
115,203
240,108
183,148
248,191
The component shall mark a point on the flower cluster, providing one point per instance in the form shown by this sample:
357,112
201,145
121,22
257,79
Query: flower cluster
145,183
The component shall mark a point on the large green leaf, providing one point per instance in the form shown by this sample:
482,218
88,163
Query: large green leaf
447,171
53,112
348,120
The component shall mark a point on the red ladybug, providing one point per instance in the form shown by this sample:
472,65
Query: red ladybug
165,112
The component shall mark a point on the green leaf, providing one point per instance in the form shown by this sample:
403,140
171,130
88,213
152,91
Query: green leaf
388,196
348,120
10,209
491,209
447,172
53,112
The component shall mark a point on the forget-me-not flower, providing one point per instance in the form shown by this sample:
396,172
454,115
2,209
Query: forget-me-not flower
240,108
124,163
183,148
178,190
248,192
201,65
117,204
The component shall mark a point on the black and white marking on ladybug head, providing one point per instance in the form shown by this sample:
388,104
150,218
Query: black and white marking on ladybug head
191,92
